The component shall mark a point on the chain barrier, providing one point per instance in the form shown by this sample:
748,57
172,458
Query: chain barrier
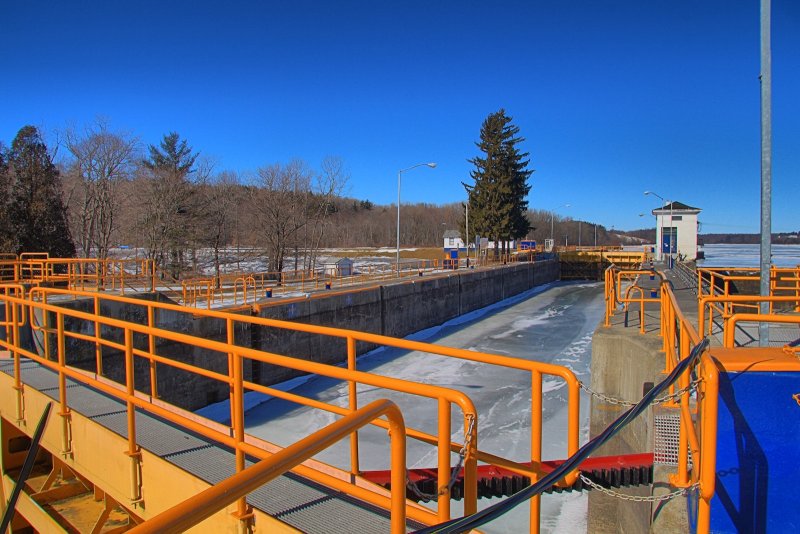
638,498
462,454
692,387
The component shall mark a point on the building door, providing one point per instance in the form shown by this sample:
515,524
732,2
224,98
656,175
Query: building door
669,240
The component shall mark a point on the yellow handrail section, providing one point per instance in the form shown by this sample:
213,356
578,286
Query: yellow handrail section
199,507
140,341
698,428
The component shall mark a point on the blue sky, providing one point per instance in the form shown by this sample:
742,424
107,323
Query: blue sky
613,97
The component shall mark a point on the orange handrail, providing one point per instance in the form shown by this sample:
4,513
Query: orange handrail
729,303
729,333
236,438
697,434
205,504
535,368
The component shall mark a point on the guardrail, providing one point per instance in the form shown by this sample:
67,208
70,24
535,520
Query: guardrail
80,273
107,334
205,504
698,426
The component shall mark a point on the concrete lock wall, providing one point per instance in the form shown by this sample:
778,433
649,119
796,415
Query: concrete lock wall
395,310
182,388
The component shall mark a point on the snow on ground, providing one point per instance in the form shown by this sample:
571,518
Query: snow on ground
549,324
748,256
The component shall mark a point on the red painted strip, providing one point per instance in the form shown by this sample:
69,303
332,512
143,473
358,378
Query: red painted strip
620,461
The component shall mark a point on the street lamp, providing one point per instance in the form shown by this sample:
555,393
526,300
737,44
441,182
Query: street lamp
671,233
399,176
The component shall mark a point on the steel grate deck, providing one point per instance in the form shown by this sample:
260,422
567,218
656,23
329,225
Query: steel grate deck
301,503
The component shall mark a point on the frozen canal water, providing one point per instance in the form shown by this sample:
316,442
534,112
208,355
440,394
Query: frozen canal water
551,324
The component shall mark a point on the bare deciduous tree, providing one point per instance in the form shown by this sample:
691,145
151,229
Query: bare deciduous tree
102,160
280,206
221,199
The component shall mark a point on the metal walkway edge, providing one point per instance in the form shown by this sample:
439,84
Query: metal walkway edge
299,502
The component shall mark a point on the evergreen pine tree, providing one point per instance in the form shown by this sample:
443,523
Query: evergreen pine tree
497,199
170,209
36,211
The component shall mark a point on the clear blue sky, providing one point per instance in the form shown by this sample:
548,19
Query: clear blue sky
612,97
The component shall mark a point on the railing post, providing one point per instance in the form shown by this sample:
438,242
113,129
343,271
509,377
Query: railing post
98,347
151,347
355,468
536,445
237,422
443,478
18,386
66,442
708,444
133,452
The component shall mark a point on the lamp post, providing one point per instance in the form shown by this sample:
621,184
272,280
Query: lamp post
399,177
671,233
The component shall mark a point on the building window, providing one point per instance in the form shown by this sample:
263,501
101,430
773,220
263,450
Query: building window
677,217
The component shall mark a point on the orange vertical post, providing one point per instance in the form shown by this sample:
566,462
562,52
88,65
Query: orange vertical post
353,401
443,478
62,387
536,445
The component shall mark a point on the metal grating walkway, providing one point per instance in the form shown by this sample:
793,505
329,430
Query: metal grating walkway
301,503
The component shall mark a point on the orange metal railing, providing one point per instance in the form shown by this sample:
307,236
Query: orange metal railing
199,507
614,279
57,325
729,333
698,428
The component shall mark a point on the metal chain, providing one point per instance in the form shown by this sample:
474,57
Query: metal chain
426,497
638,498
661,400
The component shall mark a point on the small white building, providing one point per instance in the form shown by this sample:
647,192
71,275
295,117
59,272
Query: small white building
676,231
342,267
452,240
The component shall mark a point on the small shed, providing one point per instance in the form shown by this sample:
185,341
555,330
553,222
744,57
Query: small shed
342,267
452,240
676,231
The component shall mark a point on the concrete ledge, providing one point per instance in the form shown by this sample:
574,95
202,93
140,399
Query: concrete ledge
622,362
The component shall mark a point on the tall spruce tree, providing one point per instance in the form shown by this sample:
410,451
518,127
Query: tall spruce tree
36,211
169,208
497,199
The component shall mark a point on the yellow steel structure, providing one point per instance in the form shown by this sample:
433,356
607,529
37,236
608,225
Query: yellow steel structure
41,306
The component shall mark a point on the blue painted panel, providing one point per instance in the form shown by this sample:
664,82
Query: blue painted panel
758,453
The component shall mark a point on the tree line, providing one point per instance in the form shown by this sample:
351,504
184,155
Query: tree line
100,188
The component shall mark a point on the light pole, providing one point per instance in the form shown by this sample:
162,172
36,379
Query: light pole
399,177
671,233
